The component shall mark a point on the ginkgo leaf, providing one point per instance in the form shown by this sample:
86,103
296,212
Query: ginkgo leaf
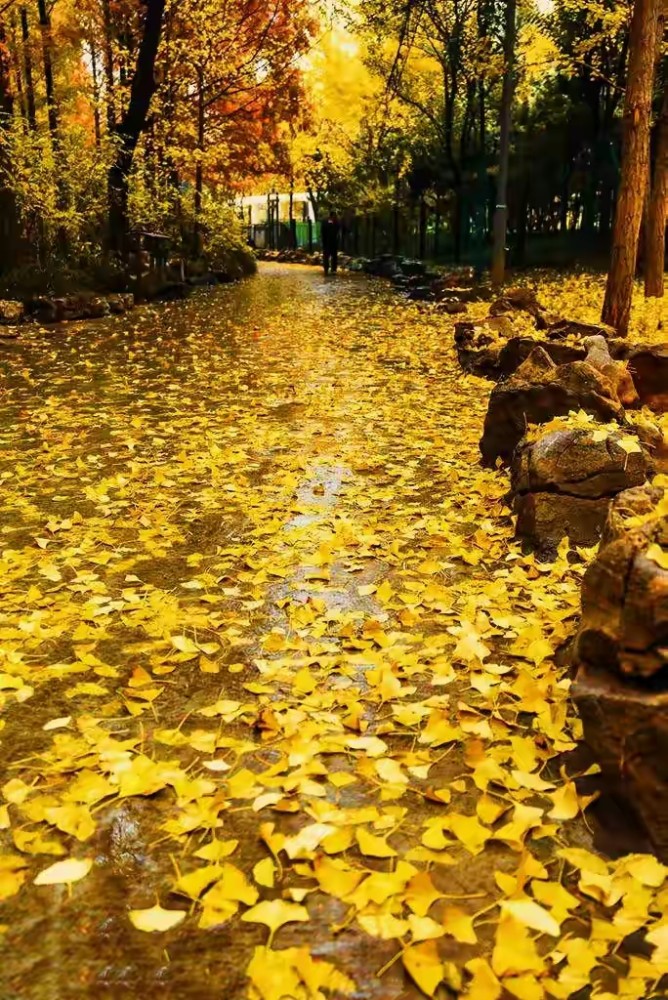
383,925
184,644
373,846
459,925
274,913
424,966
264,873
484,985
530,914
64,872
61,723
156,919
657,555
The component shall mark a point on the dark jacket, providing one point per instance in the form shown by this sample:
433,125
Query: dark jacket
330,235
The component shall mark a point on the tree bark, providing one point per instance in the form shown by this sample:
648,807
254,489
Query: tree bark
635,159
655,236
199,167
132,125
96,92
501,212
109,65
47,54
27,69
8,211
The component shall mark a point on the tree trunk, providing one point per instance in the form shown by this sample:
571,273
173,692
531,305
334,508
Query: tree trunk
47,53
422,231
27,69
635,158
132,125
8,211
15,60
655,234
501,212
109,65
96,92
199,166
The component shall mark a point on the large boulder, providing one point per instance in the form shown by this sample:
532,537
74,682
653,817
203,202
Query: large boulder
564,482
621,652
539,391
598,355
626,728
625,602
648,367
630,508
518,349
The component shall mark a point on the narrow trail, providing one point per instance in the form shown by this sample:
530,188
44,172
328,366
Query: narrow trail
264,636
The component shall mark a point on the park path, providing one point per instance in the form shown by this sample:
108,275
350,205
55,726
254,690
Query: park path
260,606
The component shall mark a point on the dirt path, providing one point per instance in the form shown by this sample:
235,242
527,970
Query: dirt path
259,606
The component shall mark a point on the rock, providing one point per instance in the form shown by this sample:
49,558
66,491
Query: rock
11,313
520,300
648,367
624,628
539,391
565,481
573,329
82,306
97,307
626,727
121,303
479,345
413,268
598,355
384,266
457,279
621,652
423,293
451,307
479,293
42,309
518,349
637,503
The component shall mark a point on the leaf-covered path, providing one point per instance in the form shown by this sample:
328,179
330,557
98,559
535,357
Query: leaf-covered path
270,660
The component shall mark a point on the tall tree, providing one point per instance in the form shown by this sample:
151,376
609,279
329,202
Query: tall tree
47,51
635,159
8,216
132,124
501,212
657,213
27,68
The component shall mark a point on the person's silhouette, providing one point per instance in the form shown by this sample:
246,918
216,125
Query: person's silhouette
330,242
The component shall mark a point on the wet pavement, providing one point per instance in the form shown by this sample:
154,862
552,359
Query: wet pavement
247,555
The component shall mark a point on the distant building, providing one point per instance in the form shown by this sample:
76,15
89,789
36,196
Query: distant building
259,209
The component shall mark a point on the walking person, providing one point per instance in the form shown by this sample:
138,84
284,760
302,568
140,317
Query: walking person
329,232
